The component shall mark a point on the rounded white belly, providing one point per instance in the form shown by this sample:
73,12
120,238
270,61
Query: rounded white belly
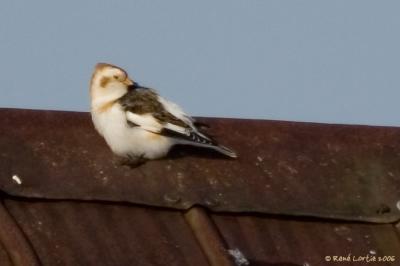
125,140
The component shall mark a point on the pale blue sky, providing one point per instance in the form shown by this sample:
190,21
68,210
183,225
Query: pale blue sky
323,61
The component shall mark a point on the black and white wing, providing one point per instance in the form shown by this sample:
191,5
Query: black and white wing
146,109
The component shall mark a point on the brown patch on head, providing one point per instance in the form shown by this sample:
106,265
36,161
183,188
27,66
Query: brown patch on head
99,69
101,66
104,81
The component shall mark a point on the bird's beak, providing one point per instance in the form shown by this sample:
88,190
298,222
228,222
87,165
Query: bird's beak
128,82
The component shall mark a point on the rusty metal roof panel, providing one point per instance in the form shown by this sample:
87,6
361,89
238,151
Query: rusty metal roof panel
271,241
82,233
4,257
332,171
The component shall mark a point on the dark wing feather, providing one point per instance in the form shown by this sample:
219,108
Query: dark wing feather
140,100
143,100
192,137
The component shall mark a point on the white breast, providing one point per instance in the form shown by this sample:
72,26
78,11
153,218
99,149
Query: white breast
126,140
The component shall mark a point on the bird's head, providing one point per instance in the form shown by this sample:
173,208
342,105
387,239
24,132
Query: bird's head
108,79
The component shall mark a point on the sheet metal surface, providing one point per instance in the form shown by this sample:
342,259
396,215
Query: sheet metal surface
76,233
333,171
14,246
4,258
267,241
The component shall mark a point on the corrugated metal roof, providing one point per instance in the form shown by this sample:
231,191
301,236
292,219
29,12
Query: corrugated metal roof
14,246
82,233
308,242
333,171
66,201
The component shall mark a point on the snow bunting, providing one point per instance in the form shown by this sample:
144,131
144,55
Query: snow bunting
136,122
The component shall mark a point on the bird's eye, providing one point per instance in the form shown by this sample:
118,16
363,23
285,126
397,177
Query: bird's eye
115,77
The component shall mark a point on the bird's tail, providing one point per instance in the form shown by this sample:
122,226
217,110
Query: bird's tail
196,138
224,150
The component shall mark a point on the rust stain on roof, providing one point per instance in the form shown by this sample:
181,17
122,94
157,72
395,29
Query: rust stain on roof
14,246
266,241
208,237
83,233
332,171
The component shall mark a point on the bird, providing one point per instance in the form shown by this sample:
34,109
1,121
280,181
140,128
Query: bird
137,123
